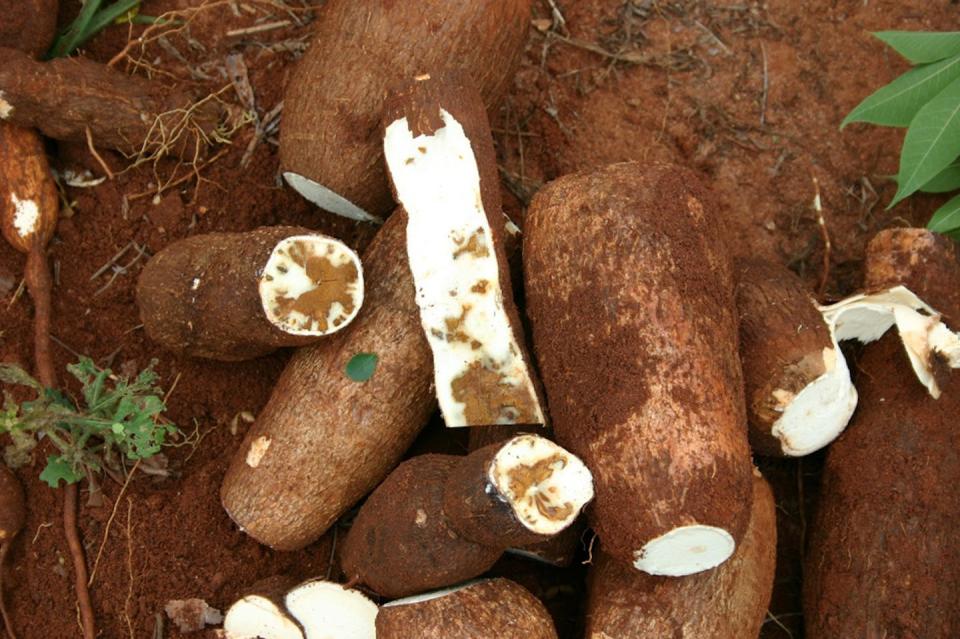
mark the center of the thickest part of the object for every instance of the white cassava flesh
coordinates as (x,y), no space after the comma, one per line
(327,199)
(311,285)
(256,616)
(433,594)
(545,485)
(685,550)
(816,415)
(455,270)
(866,317)
(327,610)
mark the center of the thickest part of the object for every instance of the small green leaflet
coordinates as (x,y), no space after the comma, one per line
(897,103)
(932,142)
(920,47)
(946,219)
(361,366)
(58,469)
(945,181)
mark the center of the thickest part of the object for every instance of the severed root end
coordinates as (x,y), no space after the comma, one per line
(685,551)
(327,610)
(256,616)
(311,285)
(816,415)
(545,485)
(327,199)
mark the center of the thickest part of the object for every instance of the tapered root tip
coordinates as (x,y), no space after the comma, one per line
(311,285)
(327,610)
(546,485)
(256,616)
(685,550)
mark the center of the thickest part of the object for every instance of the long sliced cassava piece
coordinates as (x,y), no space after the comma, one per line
(882,558)
(325,439)
(443,168)
(487,609)
(631,297)
(330,145)
(401,542)
(799,392)
(729,602)
(234,296)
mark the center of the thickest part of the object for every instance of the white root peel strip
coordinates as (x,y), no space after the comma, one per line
(327,199)
(433,594)
(545,485)
(327,610)
(457,277)
(685,550)
(866,317)
(255,616)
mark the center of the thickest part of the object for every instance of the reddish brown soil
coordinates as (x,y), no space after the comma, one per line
(697,98)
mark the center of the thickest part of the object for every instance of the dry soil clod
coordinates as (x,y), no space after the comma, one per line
(729,602)
(882,558)
(13,514)
(234,296)
(323,441)
(66,97)
(443,169)
(799,393)
(630,293)
(487,609)
(330,147)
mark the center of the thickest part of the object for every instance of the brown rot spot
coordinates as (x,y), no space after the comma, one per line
(409,161)
(489,398)
(480,287)
(331,285)
(526,478)
(422,149)
(455,332)
(475,245)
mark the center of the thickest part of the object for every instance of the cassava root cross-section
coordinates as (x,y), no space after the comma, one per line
(330,147)
(799,392)
(323,440)
(442,165)
(882,555)
(631,297)
(487,609)
(440,519)
(729,602)
(234,296)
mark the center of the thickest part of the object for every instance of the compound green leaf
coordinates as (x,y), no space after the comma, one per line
(946,219)
(922,47)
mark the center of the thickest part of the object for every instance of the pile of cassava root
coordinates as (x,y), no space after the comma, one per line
(628,395)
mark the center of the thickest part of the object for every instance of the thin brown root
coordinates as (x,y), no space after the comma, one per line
(37,277)
(97,156)
(126,602)
(825,235)
(4,549)
(87,620)
(113,514)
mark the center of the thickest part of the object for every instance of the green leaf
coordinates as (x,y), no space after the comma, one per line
(897,103)
(932,142)
(921,47)
(946,219)
(945,181)
(59,469)
(361,366)
(11,374)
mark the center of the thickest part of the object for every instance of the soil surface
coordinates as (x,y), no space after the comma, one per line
(749,93)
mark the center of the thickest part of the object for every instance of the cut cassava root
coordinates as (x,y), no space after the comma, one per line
(67,97)
(442,165)
(234,296)
(882,555)
(729,602)
(29,203)
(441,519)
(330,147)
(798,387)
(631,298)
(488,609)
(323,441)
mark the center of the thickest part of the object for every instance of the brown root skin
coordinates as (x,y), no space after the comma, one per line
(401,542)
(317,418)
(649,392)
(489,609)
(28,25)
(782,340)
(29,203)
(13,514)
(334,99)
(199,296)
(729,602)
(882,554)
(419,101)
(66,96)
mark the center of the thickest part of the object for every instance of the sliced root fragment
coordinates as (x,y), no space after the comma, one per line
(257,616)
(685,551)
(440,158)
(327,610)
(327,199)
(866,317)
(311,285)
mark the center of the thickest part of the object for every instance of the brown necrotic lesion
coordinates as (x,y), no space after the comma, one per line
(524,477)
(475,245)
(332,284)
(489,397)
